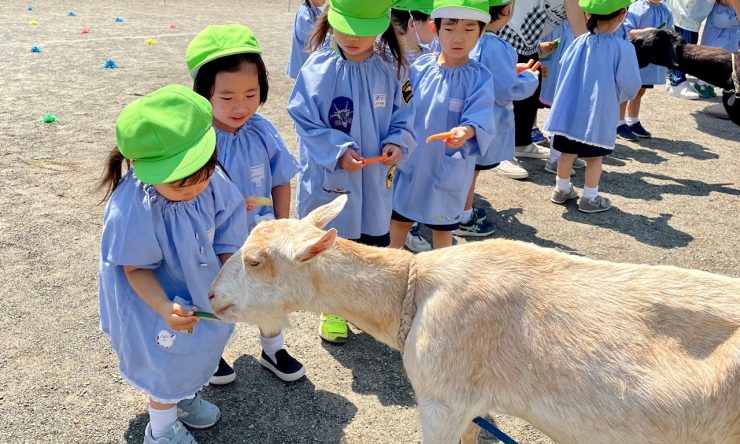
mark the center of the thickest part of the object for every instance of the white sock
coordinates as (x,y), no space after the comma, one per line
(466,216)
(591,193)
(631,120)
(272,345)
(554,155)
(563,184)
(160,421)
(621,122)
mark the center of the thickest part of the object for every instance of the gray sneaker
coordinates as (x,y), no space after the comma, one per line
(551,166)
(177,434)
(561,197)
(197,413)
(594,206)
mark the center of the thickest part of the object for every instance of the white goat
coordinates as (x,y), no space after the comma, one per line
(586,351)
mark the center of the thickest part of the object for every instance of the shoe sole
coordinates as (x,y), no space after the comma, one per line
(562,202)
(470,233)
(514,176)
(600,210)
(200,426)
(627,138)
(643,137)
(519,155)
(222,380)
(287,377)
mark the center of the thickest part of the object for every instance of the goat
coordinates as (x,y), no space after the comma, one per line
(586,351)
(713,65)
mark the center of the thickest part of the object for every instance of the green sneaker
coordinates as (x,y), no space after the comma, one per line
(333,329)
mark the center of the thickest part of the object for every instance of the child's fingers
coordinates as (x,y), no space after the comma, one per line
(530,63)
(536,66)
(440,136)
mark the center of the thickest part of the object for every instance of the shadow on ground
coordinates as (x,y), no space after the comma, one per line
(258,407)
(721,128)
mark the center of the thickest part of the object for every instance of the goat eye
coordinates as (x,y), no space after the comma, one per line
(253,263)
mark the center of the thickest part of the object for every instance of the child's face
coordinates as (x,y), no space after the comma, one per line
(423,30)
(355,48)
(317,3)
(236,97)
(458,37)
(176,193)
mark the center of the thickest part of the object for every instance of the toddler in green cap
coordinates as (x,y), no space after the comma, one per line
(354,123)
(171,221)
(305,19)
(412,19)
(226,65)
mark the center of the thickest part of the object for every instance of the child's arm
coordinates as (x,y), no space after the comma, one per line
(576,17)
(460,135)
(547,47)
(146,285)
(281,201)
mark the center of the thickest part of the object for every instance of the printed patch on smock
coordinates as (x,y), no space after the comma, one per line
(456,105)
(341,112)
(389,177)
(165,339)
(379,101)
(257,174)
(407,91)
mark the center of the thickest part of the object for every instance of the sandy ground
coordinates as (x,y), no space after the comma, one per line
(676,202)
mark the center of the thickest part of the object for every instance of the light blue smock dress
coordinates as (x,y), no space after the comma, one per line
(645,14)
(256,159)
(599,71)
(338,104)
(180,242)
(722,29)
(552,63)
(433,183)
(500,58)
(305,19)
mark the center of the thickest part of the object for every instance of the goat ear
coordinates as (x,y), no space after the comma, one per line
(326,213)
(310,249)
(673,55)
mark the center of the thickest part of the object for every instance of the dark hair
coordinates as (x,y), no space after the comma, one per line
(206,78)
(438,24)
(593,20)
(388,40)
(112,173)
(496,12)
(400,19)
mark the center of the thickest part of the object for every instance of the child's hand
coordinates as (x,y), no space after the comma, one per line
(351,161)
(545,49)
(178,318)
(460,135)
(394,153)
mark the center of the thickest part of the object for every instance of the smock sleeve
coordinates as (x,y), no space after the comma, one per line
(231,215)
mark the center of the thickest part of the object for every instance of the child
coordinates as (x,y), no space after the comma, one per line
(552,56)
(603,61)
(348,105)
(644,15)
(227,69)
(305,19)
(722,30)
(169,224)
(453,94)
(500,58)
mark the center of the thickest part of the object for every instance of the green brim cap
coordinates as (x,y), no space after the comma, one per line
(462,10)
(218,41)
(425,6)
(493,3)
(168,134)
(360,18)
(603,7)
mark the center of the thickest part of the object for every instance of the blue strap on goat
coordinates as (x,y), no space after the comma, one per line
(493,430)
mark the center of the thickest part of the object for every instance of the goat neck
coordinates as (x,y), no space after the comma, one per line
(713,65)
(371,288)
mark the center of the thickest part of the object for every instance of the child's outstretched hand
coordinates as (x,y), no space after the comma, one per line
(547,47)
(351,161)
(179,318)
(460,135)
(394,153)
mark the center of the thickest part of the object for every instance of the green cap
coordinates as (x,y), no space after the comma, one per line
(218,41)
(360,18)
(424,6)
(462,10)
(603,7)
(168,134)
(493,3)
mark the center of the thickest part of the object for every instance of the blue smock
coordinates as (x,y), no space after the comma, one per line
(722,29)
(180,242)
(433,183)
(305,19)
(500,58)
(599,71)
(552,63)
(256,159)
(338,104)
(645,14)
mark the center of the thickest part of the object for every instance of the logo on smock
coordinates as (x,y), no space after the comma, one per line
(341,113)
(165,339)
(407,92)
(389,177)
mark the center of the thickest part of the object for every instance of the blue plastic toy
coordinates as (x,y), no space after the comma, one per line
(29,9)
(110,64)
(119,20)
(72,14)
(36,49)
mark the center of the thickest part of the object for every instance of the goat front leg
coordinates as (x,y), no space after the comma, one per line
(471,433)
(441,424)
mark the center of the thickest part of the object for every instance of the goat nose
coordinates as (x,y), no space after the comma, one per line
(211,295)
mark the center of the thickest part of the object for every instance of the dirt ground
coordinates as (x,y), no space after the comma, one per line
(675,196)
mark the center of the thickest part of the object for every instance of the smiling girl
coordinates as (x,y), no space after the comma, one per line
(227,69)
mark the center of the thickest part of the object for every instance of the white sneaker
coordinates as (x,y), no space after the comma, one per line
(415,242)
(511,169)
(532,151)
(683,90)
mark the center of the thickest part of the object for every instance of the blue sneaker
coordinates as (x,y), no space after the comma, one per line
(197,413)
(639,131)
(539,138)
(624,132)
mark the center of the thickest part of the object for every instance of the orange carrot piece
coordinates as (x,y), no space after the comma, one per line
(530,63)
(373,160)
(440,136)
(536,66)
(257,201)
